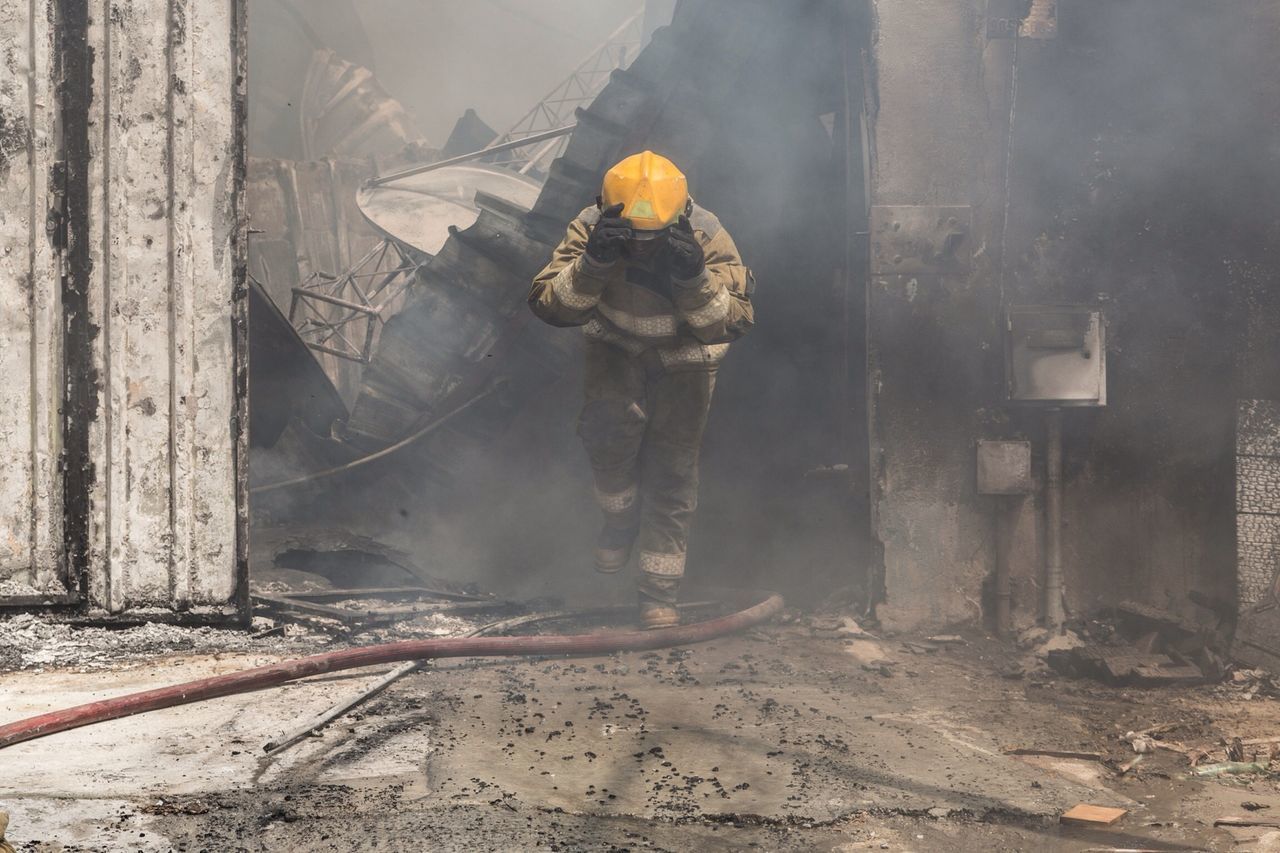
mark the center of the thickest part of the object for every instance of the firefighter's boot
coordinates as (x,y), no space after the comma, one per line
(658,595)
(613,548)
(657,614)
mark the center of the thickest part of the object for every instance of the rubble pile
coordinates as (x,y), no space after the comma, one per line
(29,642)
(1139,645)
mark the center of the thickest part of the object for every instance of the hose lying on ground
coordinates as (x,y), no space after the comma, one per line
(604,642)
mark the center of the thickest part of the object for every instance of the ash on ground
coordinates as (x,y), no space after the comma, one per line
(28,642)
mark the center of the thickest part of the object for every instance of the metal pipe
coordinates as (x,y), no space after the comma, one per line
(603,643)
(538,155)
(1003,621)
(1053,585)
(474,155)
(333,300)
(386,451)
(320,721)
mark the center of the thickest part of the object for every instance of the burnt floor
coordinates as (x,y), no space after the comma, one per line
(784,738)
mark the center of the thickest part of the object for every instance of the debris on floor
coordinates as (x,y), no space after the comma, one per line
(1250,683)
(1230,767)
(503,732)
(1248,821)
(1089,815)
(5,846)
(1136,644)
(33,642)
(1123,666)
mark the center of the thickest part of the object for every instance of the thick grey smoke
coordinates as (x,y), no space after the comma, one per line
(498,57)
(1142,178)
(1145,180)
(752,120)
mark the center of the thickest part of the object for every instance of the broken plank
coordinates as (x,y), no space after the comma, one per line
(1271,822)
(1056,753)
(1085,814)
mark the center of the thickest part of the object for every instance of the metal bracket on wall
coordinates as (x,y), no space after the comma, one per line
(921,239)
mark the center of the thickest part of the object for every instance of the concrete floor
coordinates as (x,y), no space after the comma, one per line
(773,740)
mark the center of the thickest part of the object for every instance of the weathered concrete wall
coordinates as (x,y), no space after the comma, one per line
(30,502)
(933,345)
(166,171)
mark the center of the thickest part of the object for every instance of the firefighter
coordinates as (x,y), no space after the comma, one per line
(657,285)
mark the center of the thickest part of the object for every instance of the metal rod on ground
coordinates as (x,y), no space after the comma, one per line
(1053,585)
(474,155)
(327,717)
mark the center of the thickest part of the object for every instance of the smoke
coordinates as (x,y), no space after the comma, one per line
(760,147)
(1145,181)
(1142,179)
(499,57)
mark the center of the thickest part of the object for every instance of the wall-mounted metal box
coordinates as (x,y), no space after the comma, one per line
(1056,355)
(1004,468)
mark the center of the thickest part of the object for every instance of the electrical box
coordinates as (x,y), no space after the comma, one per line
(1056,355)
(1004,468)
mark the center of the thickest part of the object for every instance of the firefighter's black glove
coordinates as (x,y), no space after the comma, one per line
(609,236)
(687,258)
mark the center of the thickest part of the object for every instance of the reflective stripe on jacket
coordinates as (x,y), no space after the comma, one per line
(692,327)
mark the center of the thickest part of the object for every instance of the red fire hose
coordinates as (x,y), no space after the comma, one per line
(605,642)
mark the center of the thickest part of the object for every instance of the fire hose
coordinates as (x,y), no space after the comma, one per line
(258,678)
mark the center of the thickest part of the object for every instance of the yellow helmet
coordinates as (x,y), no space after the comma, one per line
(652,191)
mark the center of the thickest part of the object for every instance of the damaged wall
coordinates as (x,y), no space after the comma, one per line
(933,353)
(149,121)
(1141,180)
(1145,181)
(30,498)
(167,170)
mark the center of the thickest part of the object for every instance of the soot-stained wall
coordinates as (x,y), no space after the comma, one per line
(1142,180)
(122,234)
(933,354)
(1146,180)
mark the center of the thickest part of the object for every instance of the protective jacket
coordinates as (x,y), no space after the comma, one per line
(654,343)
(686,323)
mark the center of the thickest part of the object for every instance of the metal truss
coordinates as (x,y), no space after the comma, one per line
(578,90)
(339,314)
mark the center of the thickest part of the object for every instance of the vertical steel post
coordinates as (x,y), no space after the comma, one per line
(1003,621)
(1053,591)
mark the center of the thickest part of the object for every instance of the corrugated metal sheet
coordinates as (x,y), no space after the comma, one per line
(164,154)
(30,497)
(165,290)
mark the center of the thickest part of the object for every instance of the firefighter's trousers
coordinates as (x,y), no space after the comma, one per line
(642,426)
